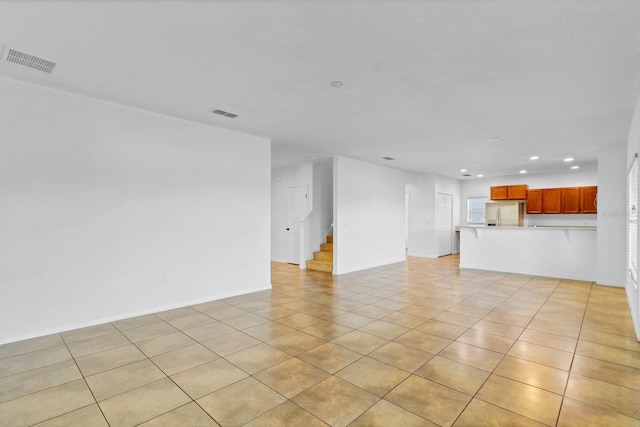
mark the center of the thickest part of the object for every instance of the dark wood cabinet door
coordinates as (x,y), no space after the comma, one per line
(517,192)
(499,192)
(534,202)
(589,199)
(571,200)
(552,200)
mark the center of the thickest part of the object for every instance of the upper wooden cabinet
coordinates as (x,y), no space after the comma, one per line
(509,192)
(534,201)
(589,199)
(570,200)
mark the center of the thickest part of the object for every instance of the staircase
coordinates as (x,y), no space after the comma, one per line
(323,260)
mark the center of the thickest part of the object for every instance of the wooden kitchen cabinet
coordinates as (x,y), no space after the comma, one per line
(552,200)
(589,200)
(571,200)
(534,202)
(509,192)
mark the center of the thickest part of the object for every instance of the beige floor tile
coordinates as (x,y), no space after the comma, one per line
(33,360)
(604,395)
(487,341)
(390,304)
(542,355)
(299,320)
(207,378)
(472,355)
(468,310)
(405,319)
(352,320)
(99,362)
(384,329)
(164,344)
(291,377)
(372,375)
(254,306)
(385,414)
(610,354)
(185,358)
(458,376)
(209,331)
(437,403)
(607,322)
(483,414)
(230,343)
(497,328)
(257,358)
(554,328)
(191,321)
(115,381)
(287,414)
(335,401)
(613,340)
(330,357)
(143,403)
(89,416)
(526,400)
(88,332)
(423,341)
(188,415)
(275,312)
(372,311)
(456,319)
(28,382)
(508,318)
(560,316)
(419,311)
(441,329)
(549,340)
(326,330)
(97,344)
(45,404)
(136,322)
(360,342)
(177,313)
(606,371)
(401,356)
(241,402)
(296,342)
(146,332)
(541,376)
(268,331)
(224,311)
(27,346)
(576,413)
(245,321)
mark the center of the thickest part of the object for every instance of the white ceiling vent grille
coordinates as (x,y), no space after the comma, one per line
(224,113)
(29,60)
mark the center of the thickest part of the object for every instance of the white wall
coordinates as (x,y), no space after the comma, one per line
(369,215)
(281,180)
(109,212)
(612,219)
(633,148)
(480,188)
(453,187)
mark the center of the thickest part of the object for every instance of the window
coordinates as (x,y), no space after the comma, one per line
(475,210)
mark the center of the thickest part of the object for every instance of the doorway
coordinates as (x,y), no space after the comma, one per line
(297,205)
(444,223)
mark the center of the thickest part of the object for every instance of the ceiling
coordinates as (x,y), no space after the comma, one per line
(437,85)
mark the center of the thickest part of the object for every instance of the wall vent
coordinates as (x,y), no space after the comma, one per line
(28,60)
(224,113)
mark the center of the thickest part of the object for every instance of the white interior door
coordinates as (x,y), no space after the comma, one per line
(444,224)
(297,205)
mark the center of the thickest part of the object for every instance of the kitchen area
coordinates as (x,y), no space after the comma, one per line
(543,231)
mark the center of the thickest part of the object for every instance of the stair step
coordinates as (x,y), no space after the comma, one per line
(326,247)
(330,238)
(320,266)
(323,256)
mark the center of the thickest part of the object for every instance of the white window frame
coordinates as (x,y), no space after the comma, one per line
(469,210)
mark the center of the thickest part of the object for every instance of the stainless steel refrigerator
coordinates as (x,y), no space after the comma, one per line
(503,214)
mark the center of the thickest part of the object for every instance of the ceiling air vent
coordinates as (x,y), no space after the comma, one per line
(29,60)
(224,113)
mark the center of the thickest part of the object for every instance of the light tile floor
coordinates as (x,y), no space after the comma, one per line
(412,344)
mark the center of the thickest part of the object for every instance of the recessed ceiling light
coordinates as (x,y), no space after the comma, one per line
(523,171)
(479,175)
(568,159)
(463,170)
(337,83)
(388,158)
(575,167)
(534,158)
